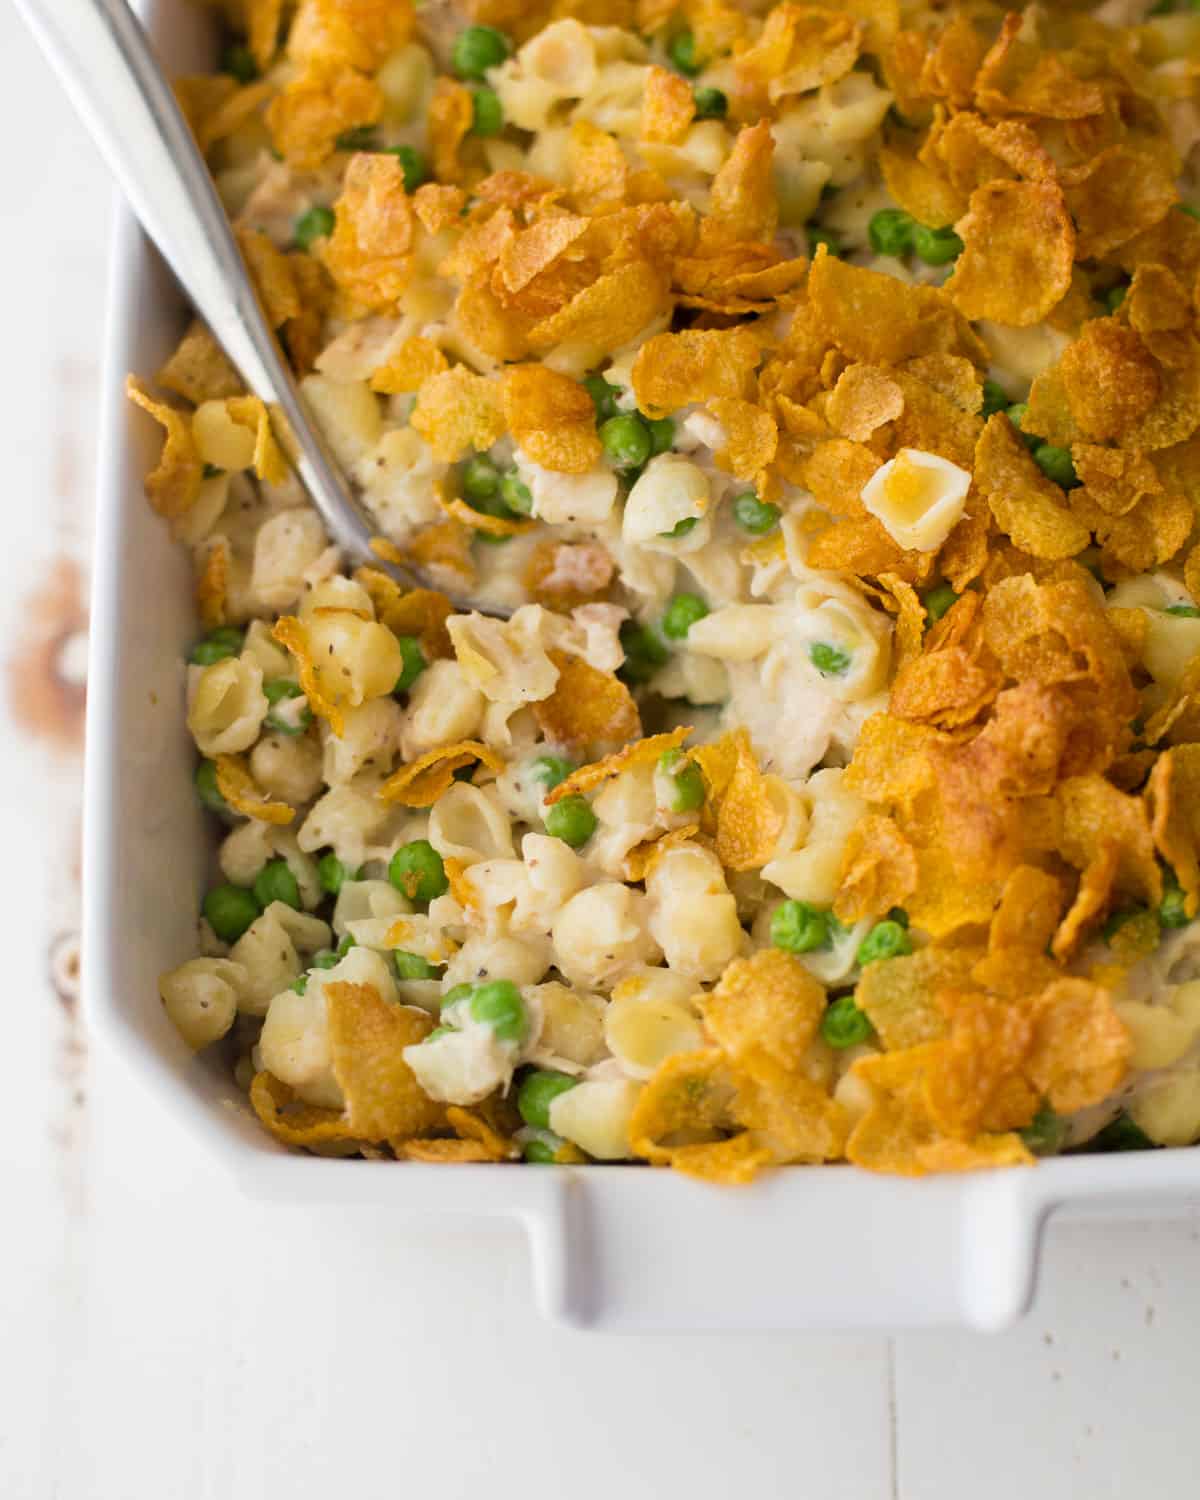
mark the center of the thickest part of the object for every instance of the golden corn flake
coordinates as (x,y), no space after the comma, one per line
(1116,195)
(408,367)
(212,585)
(899,997)
(742,204)
(920,188)
(272,275)
(471,1125)
(1022,77)
(552,418)
(874,318)
(563,575)
(458,412)
(748,810)
(609,312)
(889,764)
(198,369)
(369,252)
(768,1002)
(1019,246)
(173,484)
(293,633)
(367,1038)
(457,508)
(1110,379)
(878,870)
(641,753)
(442,1151)
(444,551)
(787,1112)
(268,461)
(289,1119)
(800,48)
(309,113)
(896,1127)
(244,795)
(751,436)
(668,106)
(1095,815)
(1027,506)
(414,612)
(975,1079)
(1081,1047)
(675,369)
(1173,797)
(422,781)
(865,398)
(732,1162)
(1027,916)
(587,707)
(359,33)
(688,1100)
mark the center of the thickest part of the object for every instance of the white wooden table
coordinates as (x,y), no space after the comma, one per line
(164,1340)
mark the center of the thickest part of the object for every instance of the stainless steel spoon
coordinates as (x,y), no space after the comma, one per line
(104,59)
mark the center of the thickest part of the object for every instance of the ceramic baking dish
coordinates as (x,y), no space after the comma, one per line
(612,1247)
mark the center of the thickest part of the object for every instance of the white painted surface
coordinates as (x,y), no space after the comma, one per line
(165,1340)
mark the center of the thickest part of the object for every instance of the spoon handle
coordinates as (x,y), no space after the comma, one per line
(104,59)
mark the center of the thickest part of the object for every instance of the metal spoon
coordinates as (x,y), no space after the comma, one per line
(104,59)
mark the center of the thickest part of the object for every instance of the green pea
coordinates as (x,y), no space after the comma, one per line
(1114,297)
(1016,414)
(625,440)
(682,528)
(681,50)
(542,1149)
(538,1091)
(238,61)
(899,915)
(417,870)
(549,770)
(1057,465)
(1172,909)
(686,790)
(498,1004)
(275,882)
(798,927)
(478,48)
(316,223)
(456,993)
(829,660)
(357,138)
(325,959)
(711,104)
(344,947)
(1191,209)
(937,601)
(207,789)
(604,396)
(414,663)
(480,479)
(1118,919)
(754,515)
(487,114)
(885,940)
(662,435)
(1045,1133)
(1121,1134)
(995,398)
(1183,611)
(280,690)
(681,614)
(333,874)
(644,652)
(516,493)
(299,985)
(230,909)
(216,646)
(826,237)
(891,232)
(413,966)
(570,819)
(844,1024)
(936,247)
(413,165)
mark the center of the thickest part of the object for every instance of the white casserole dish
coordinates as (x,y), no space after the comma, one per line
(613,1247)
